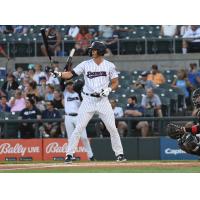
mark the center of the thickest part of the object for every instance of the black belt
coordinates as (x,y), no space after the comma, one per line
(92,95)
(71,114)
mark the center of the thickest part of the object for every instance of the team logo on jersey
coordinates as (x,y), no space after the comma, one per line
(72,98)
(95,74)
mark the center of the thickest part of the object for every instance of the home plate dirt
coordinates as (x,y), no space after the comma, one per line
(7,167)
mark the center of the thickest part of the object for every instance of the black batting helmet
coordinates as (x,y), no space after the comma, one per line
(196,98)
(99,46)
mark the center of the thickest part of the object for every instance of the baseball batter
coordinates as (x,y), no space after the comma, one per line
(72,103)
(97,75)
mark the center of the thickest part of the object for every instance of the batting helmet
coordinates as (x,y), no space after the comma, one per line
(196,98)
(99,46)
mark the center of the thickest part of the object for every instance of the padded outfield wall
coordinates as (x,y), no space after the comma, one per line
(135,148)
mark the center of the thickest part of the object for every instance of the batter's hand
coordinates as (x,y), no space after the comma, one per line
(49,69)
(105,92)
(56,74)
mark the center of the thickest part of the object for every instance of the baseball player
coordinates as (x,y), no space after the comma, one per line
(97,75)
(188,136)
(72,103)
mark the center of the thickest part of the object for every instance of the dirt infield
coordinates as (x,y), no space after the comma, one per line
(98,165)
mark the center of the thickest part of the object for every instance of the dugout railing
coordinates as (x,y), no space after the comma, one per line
(159,123)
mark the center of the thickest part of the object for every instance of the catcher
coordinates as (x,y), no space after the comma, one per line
(188,136)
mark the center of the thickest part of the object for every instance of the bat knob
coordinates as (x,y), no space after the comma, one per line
(48,69)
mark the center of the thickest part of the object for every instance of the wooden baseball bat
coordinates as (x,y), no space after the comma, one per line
(42,30)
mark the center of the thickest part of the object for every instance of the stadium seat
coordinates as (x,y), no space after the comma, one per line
(178,45)
(173,100)
(136,46)
(124,73)
(114,95)
(159,90)
(165,104)
(181,97)
(166,86)
(160,46)
(124,76)
(122,91)
(140,91)
(11,130)
(125,83)
(62,112)
(170,74)
(136,74)
(122,102)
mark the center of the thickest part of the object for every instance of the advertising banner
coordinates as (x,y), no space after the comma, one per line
(55,149)
(20,149)
(169,150)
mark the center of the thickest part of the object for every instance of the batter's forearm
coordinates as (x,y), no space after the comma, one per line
(114,84)
(66,75)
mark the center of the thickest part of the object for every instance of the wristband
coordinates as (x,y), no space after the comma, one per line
(195,129)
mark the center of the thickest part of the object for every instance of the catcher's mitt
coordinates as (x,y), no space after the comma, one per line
(175,131)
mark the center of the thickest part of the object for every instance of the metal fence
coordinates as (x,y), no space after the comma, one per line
(161,123)
(31,48)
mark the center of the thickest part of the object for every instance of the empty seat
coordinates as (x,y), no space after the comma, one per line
(173,100)
(11,130)
(165,105)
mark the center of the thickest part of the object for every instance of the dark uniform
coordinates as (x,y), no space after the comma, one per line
(188,137)
(27,130)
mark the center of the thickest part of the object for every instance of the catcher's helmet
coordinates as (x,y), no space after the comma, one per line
(99,46)
(78,85)
(196,98)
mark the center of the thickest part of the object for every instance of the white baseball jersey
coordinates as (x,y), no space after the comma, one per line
(52,80)
(72,102)
(118,112)
(97,77)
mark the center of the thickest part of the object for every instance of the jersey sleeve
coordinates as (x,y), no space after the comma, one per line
(113,72)
(79,69)
(121,113)
(143,102)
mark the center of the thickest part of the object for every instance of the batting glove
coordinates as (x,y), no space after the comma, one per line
(105,92)
(56,74)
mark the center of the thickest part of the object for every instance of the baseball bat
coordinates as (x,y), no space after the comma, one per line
(67,68)
(7,65)
(69,60)
(42,30)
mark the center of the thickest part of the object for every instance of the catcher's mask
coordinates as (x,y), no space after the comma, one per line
(99,46)
(196,98)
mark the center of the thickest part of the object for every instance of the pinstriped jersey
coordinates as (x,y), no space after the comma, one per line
(72,102)
(97,77)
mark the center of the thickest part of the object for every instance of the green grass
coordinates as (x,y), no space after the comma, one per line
(194,168)
(116,169)
(109,170)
